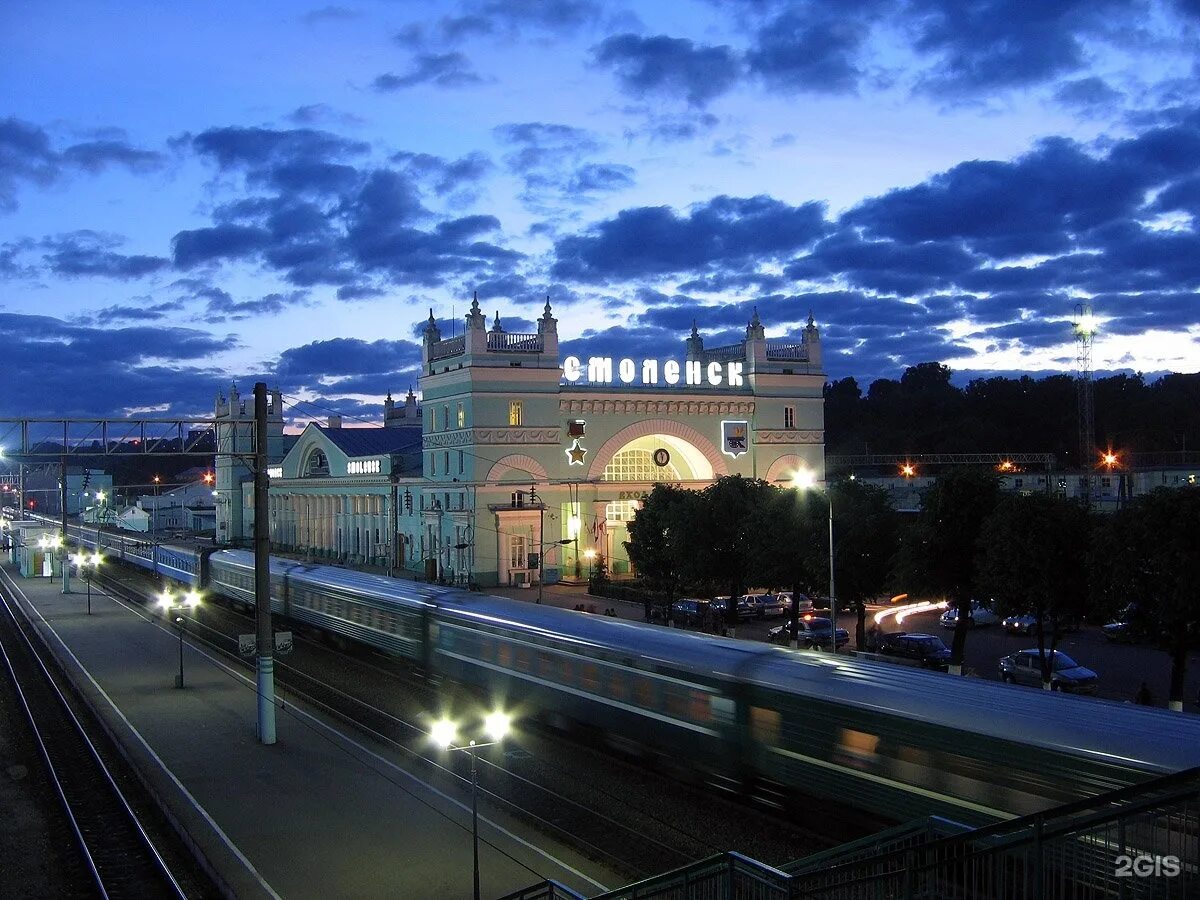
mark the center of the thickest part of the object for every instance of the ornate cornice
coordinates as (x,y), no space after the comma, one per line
(465,437)
(788,436)
(657,407)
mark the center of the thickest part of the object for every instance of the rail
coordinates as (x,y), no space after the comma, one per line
(518,343)
(724,354)
(787,351)
(449,347)
(544,890)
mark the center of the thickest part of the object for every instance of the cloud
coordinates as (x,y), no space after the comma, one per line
(329,14)
(675,67)
(984,45)
(347,356)
(135,312)
(447,70)
(460,176)
(27,156)
(799,52)
(299,159)
(727,231)
(89,253)
(222,307)
(107,371)
(1090,95)
(549,159)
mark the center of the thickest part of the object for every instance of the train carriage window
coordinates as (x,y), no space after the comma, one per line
(722,710)
(618,684)
(504,657)
(764,725)
(524,658)
(675,700)
(858,749)
(590,677)
(698,708)
(643,690)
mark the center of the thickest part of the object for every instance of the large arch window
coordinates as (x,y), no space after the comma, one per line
(637,464)
(317,463)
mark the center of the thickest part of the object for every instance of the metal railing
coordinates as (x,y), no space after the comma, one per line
(787,351)
(515,343)
(1142,841)
(724,354)
(1138,842)
(449,347)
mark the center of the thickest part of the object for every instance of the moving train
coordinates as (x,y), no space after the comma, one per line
(787,726)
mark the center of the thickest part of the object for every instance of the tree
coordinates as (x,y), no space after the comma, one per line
(791,546)
(724,533)
(659,544)
(941,559)
(1033,558)
(1155,544)
(865,535)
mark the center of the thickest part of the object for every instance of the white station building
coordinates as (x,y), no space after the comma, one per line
(515,449)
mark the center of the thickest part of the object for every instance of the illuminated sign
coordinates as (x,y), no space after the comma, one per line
(363,467)
(600,370)
(733,438)
(275,471)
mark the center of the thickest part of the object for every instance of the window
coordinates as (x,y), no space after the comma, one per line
(514,412)
(462,416)
(516,551)
(445,418)
(638,465)
(317,464)
(620,511)
(789,417)
(445,462)
(432,464)
(460,462)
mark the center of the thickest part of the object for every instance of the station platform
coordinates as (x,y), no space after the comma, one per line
(324,812)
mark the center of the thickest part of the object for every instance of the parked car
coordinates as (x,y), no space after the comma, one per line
(1024,667)
(764,605)
(1125,629)
(785,597)
(926,650)
(1026,623)
(745,610)
(690,611)
(814,633)
(979,616)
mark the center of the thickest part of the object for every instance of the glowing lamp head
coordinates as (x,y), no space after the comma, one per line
(1086,324)
(166,600)
(443,733)
(908,470)
(573,526)
(1109,459)
(803,479)
(80,560)
(191,599)
(497,724)
(97,558)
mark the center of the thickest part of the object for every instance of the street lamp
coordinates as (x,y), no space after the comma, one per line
(804,479)
(444,733)
(590,556)
(87,564)
(100,498)
(178,605)
(542,561)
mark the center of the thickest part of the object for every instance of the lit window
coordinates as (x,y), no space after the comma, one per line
(462,416)
(638,465)
(514,412)
(789,417)
(516,556)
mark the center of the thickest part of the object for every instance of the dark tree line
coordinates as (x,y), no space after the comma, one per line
(923,412)
(1039,554)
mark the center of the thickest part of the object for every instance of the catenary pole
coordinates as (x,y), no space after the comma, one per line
(62,550)
(262,574)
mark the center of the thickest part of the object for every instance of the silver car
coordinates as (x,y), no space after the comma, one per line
(1024,667)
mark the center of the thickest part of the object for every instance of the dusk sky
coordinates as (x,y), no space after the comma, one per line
(198,193)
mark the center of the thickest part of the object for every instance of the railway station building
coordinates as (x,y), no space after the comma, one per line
(521,462)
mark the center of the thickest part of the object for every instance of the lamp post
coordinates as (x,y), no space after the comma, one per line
(100,497)
(804,479)
(444,733)
(177,606)
(87,565)
(542,561)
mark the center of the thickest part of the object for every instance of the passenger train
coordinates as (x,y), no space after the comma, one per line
(785,725)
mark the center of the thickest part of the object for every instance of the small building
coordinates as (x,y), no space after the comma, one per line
(188,507)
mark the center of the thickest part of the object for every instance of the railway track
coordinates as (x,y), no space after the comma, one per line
(608,808)
(123,847)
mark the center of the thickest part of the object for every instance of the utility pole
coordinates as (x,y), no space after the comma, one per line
(62,550)
(262,574)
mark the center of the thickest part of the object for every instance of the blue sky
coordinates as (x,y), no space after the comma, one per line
(196,193)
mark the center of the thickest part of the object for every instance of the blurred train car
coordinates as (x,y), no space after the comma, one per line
(785,726)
